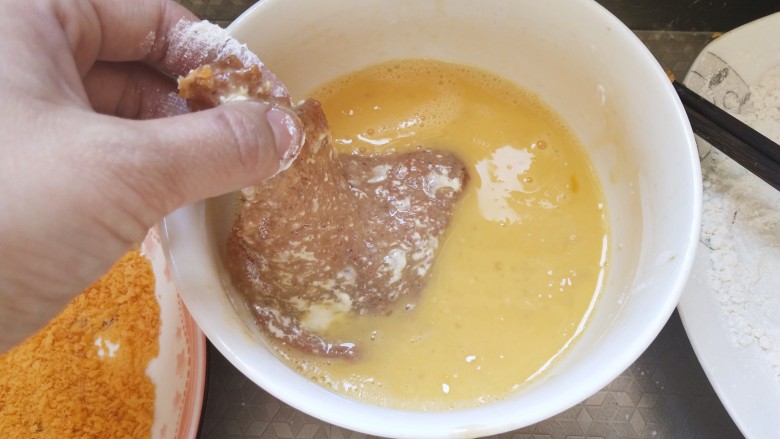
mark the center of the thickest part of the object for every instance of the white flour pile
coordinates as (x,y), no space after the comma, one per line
(741,224)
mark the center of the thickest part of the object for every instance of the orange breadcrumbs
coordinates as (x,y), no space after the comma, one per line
(84,375)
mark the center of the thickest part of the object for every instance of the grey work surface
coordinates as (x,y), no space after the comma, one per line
(664,394)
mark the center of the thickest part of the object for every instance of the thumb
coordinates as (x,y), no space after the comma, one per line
(215,151)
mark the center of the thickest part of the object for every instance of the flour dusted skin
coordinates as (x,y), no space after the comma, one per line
(334,233)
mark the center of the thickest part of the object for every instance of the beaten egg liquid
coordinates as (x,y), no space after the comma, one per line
(521,264)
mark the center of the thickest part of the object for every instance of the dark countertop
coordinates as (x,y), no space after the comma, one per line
(657,15)
(664,394)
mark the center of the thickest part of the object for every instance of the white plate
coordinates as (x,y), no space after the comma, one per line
(742,376)
(179,371)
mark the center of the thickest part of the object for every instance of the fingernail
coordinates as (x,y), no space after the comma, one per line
(288,134)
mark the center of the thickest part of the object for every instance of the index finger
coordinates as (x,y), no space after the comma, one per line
(168,37)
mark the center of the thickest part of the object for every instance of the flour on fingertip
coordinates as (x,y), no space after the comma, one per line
(193,42)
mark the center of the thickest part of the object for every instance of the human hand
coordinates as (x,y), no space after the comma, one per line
(82,180)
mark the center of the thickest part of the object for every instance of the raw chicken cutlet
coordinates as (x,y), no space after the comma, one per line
(335,233)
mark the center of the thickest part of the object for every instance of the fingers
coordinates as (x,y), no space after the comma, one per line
(132,91)
(168,37)
(190,45)
(208,153)
(131,30)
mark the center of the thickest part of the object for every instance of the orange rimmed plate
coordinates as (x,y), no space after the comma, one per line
(179,371)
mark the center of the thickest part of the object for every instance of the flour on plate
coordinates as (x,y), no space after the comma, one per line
(741,225)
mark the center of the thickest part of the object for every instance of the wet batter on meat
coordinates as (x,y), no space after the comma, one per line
(334,233)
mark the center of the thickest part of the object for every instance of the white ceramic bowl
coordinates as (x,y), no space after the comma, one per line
(582,62)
